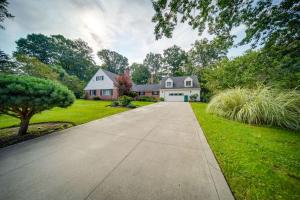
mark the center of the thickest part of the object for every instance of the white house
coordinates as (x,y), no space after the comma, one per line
(179,88)
(102,85)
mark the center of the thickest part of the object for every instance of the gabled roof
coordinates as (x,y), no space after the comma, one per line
(178,82)
(111,76)
(145,87)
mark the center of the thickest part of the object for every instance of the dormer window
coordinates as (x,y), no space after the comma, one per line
(99,78)
(169,84)
(188,82)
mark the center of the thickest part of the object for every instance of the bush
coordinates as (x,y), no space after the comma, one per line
(194,97)
(162,99)
(24,96)
(146,98)
(124,100)
(131,106)
(96,98)
(131,94)
(114,104)
(259,106)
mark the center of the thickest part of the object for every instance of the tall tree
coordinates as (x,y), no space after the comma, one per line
(140,73)
(124,84)
(273,22)
(154,63)
(204,52)
(75,56)
(174,60)
(113,61)
(4,13)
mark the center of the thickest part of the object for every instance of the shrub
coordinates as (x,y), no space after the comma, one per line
(131,94)
(131,106)
(96,98)
(114,104)
(24,96)
(259,106)
(146,98)
(194,97)
(162,99)
(124,100)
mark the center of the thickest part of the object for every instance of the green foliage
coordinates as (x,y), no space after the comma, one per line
(146,98)
(96,98)
(257,162)
(259,106)
(114,104)
(4,13)
(24,96)
(124,100)
(113,61)
(174,59)
(131,106)
(76,58)
(33,67)
(274,22)
(162,99)
(140,73)
(194,97)
(154,63)
(277,67)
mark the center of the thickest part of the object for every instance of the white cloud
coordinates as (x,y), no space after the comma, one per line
(121,25)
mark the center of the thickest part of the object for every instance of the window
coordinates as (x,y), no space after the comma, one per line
(188,83)
(176,94)
(155,92)
(169,84)
(92,92)
(106,92)
(99,78)
(141,93)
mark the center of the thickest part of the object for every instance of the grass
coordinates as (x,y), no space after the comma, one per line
(80,112)
(258,162)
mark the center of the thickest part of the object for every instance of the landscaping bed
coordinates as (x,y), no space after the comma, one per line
(258,162)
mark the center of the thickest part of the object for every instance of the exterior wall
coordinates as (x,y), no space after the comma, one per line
(164,93)
(107,83)
(149,94)
(114,95)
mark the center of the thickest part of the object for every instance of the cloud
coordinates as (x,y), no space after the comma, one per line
(121,25)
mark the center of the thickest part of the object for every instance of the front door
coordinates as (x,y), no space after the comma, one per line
(186,98)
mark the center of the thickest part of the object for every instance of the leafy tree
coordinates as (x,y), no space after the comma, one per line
(34,67)
(24,96)
(205,53)
(140,73)
(174,60)
(265,20)
(154,63)
(113,61)
(4,14)
(124,84)
(7,65)
(75,56)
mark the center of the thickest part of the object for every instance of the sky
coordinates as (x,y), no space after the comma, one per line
(123,26)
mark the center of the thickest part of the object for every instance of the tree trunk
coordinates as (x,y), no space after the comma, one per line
(24,126)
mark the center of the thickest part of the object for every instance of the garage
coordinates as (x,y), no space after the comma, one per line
(174,96)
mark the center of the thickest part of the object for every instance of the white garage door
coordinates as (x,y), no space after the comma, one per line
(174,96)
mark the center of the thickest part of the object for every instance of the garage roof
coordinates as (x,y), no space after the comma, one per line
(178,82)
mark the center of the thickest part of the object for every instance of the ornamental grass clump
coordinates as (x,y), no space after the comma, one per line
(259,106)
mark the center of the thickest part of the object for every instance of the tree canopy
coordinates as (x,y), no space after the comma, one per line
(75,56)
(24,96)
(113,61)
(4,13)
(154,63)
(174,59)
(266,21)
(140,73)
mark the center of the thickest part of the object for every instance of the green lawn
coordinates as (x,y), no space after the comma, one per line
(80,112)
(258,162)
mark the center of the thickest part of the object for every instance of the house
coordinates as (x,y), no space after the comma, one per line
(103,85)
(150,90)
(179,88)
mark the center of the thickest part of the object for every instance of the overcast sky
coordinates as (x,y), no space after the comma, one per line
(121,25)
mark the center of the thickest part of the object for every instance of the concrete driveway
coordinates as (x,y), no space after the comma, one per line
(153,152)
